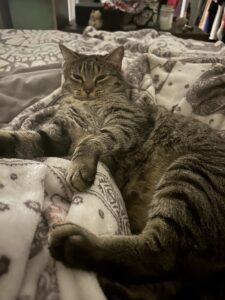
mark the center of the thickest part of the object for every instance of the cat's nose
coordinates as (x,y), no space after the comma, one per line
(88,89)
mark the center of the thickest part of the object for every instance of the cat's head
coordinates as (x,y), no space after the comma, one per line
(88,77)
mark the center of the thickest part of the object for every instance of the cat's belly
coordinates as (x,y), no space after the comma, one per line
(140,189)
(137,199)
(138,195)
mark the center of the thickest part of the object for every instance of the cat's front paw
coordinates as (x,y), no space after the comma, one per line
(74,246)
(81,173)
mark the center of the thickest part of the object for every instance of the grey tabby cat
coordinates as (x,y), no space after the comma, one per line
(170,170)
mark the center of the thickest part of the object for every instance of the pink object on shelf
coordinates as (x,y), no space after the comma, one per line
(132,6)
(172,2)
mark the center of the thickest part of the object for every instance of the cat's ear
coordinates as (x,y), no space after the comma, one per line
(68,54)
(116,57)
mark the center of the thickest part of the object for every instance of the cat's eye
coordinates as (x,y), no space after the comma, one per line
(76,77)
(100,78)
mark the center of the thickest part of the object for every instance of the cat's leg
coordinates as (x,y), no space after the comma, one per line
(160,252)
(158,291)
(135,258)
(128,260)
(119,135)
(49,141)
(20,144)
(83,166)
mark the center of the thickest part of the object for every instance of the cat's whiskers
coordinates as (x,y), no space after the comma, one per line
(77,93)
(99,93)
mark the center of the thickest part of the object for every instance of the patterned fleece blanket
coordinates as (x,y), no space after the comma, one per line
(187,77)
(33,197)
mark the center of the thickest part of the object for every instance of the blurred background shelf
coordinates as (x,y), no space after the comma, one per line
(196,34)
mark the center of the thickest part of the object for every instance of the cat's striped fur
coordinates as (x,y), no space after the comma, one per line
(169,168)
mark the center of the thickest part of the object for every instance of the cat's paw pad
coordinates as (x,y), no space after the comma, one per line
(81,175)
(72,245)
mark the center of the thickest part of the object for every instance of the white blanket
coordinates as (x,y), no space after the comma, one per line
(33,196)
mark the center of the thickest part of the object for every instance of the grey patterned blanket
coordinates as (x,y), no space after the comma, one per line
(187,77)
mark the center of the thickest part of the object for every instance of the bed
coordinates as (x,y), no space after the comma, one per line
(185,76)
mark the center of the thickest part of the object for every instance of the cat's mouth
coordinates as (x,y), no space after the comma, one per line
(83,96)
(87,97)
(90,96)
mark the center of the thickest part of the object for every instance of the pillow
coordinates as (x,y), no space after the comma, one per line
(205,100)
(171,78)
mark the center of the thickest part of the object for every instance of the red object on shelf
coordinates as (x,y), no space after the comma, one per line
(134,7)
